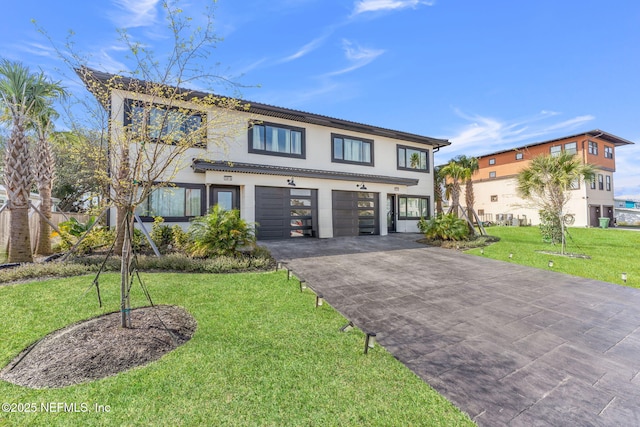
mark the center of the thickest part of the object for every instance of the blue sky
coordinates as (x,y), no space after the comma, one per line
(487,75)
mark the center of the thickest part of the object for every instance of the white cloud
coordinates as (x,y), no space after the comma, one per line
(357,55)
(364,6)
(135,13)
(486,134)
(307,48)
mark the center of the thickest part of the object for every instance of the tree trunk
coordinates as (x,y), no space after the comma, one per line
(121,214)
(43,246)
(43,171)
(125,269)
(19,237)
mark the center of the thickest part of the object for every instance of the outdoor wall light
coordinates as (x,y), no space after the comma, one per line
(369,341)
(291,182)
(346,328)
(624,277)
(550,263)
(361,186)
(303,285)
(319,300)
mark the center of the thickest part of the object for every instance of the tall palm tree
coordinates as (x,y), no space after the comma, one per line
(438,187)
(547,181)
(471,165)
(454,173)
(21,94)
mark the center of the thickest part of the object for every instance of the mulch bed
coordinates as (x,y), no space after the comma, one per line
(99,347)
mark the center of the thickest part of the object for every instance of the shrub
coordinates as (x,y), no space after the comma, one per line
(550,227)
(71,231)
(220,232)
(444,227)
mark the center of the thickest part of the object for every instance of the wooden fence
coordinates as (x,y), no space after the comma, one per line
(34,220)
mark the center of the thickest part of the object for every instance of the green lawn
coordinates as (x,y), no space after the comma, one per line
(262,355)
(612,251)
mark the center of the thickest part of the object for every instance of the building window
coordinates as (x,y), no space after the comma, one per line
(600,182)
(176,203)
(519,156)
(555,150)
(575,184)
(492,161)
(277,140)
(571,148)
(608,152)
(608,182)
(492,174)
(412,207)
(413,159)
(593,183)
(346,149)
(494,198)
(164,124)
(593,148)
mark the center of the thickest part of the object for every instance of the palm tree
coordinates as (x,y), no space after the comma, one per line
(21,94)
(438,184)
(547,180)
(471,165)
(454,174)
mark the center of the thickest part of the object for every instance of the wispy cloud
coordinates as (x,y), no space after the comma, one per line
(357,55)
(364,6)
(135,13)
(485,134)
(307,48)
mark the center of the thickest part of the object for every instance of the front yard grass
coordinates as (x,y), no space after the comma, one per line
(262,355)
(611,251)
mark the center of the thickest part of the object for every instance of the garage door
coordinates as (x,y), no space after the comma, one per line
(283,213)
(355,213)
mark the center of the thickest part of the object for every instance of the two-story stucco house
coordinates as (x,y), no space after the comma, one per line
(297,174)
(495,183)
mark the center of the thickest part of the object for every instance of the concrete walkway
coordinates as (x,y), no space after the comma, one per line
(507,344)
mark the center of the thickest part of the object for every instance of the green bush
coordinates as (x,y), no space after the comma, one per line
(72,231)
(550,227)
(444,227)
(220,232)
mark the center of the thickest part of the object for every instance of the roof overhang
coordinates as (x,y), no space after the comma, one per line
(201,166)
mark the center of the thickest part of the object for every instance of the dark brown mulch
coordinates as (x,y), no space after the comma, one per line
(99,347)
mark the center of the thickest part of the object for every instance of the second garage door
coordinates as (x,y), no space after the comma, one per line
(355,213)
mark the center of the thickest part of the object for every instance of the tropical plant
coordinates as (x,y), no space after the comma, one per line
(547,182)
(438,188)
(453,174)
(220,232)
(22,95)
(471,165)
(444,227)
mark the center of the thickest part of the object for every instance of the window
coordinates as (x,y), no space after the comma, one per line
(412,207)
(600,182)
(173,203)
(277,140)
(608,182)
(608,152)
(168,125)
(593,148)
(492,174)
(492,161)
(494,198)
(593,183)
(413,158)
(555,150)
(571,148)
(346,149)
(519,156)
(575,184)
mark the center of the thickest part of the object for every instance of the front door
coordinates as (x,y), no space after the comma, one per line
(391,213)
(227,197)
(594,214)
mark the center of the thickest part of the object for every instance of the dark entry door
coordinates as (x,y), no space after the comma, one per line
(594,214)
(391,213)
(227,197)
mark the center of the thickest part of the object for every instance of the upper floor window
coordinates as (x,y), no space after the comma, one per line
(492,161)
(165,124)
(519,156)
(555,150)
(593,183)
(277,140)
(346,149)
(571,147)
(600,182)
(608,152)
(607,180)
(413,158)
(593,148)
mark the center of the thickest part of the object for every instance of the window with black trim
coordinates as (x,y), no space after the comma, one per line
(593,183)
(519,156)
(492,161)
(571,147)
(166,124)
(492,174)
(607,180)
(555,150)
(410,158)
(277,140)
(608,152)
(413,207)
(178,202)
(347,149)
(600,182)
(593,148)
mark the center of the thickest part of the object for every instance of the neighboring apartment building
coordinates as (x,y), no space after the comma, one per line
(496,197)
(298,174)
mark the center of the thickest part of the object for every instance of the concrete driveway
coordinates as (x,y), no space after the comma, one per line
(507,344)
